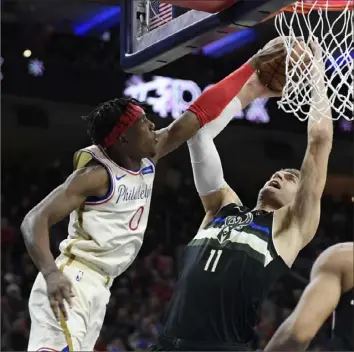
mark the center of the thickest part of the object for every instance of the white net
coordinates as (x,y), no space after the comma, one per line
(334,33)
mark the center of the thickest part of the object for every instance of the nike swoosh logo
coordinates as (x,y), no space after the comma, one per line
(120,177)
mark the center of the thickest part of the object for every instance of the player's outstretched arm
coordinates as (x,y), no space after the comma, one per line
(212,102)
(206,164)
(303,214)
(83,183)
(204,110)
(205,159)
(318,301)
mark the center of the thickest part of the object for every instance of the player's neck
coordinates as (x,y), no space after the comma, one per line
(124,160)
(265,206)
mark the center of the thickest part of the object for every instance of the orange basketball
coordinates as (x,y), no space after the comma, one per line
(272,69)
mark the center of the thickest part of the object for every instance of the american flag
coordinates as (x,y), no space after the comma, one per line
(160,14)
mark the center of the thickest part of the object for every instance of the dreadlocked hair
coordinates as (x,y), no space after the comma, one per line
(101,120)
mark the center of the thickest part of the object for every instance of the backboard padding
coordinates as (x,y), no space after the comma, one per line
(186,33)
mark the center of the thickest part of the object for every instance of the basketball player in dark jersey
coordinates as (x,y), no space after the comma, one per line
(238,254)
(331,290)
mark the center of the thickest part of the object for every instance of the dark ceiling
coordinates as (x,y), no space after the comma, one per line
(60,14)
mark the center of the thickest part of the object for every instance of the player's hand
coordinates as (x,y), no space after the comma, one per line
(59,290)
(259,90)
(272,49)
(318,66)
(317,51)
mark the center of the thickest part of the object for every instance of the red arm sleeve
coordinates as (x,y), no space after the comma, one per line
(214,100)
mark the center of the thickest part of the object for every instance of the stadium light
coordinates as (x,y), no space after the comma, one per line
(230,43)
(27,53)
(100,18)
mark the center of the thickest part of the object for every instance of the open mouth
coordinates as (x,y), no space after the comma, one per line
(275,184)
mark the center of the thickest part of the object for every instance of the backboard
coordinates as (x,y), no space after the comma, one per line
(155,33)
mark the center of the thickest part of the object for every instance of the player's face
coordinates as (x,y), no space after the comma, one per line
(141,137)
(280,190)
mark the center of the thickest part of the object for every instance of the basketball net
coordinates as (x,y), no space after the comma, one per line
(304,21)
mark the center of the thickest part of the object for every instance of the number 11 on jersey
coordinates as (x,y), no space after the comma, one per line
(211,261)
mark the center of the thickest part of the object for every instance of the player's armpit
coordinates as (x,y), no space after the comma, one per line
(83,183)
(296,223)
(318,301)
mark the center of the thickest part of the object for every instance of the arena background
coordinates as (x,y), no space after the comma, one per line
(51,76)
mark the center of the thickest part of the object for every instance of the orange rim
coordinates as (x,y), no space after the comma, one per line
(330,5)
(334,5)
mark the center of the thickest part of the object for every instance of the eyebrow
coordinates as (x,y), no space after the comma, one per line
(294,177)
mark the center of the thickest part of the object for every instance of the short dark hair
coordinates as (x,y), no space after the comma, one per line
(294,172)
(105,116)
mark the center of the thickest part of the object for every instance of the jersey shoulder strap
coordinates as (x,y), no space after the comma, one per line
(85,155)
(231,209)
(81,159)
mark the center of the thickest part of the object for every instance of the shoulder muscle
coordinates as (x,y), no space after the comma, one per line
(82,183)
(333,260)
(92,180)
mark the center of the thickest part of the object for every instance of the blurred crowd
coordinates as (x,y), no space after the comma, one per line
(140,296)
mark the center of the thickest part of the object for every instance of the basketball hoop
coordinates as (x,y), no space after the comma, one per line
(331,22)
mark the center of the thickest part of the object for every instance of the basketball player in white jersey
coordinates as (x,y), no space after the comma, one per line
(238,254)
(331,290)
(108,199)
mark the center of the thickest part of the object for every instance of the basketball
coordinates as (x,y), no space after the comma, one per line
(272,68)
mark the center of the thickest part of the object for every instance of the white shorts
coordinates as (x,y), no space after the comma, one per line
(85,318)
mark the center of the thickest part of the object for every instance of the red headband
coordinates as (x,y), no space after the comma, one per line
(131,114)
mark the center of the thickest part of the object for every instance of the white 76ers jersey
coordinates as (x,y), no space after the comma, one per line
(108,232)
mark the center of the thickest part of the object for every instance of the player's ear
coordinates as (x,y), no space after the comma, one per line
(123,139)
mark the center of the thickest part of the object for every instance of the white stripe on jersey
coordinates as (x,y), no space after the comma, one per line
(257,244)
